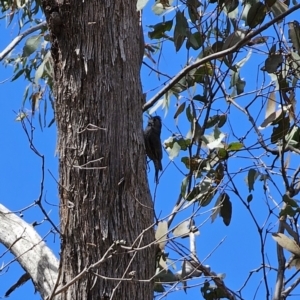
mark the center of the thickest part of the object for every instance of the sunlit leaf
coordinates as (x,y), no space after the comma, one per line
(273,118)
(214,140)
(31,45)
(161,234)
(174,151)
(271,105)
(235,146)
(182,229)
(162,6)
(21,116)
(141,4)
(278,8)
(286,243)
(157,105)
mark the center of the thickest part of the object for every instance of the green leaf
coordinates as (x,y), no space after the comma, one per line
(226,209)
(212,121)
(181,30)
(290,201)
(217,208)
(19,73)
(230,6)
(217,46)
(288,211)
(240,86)
(234,38)
(179,110)
(181,142)
(222,120)
(273,62)
(202,72)
(252,176)
(189,114)
(200,98)
(39,73)
(195,40)
(158,288)
(222,153)
(256,14)
(160,29)
(192,10)
(235,146)
(31,45)
(249,198)
(281,130)
(183,186)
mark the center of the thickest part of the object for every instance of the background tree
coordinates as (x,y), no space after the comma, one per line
(229,132)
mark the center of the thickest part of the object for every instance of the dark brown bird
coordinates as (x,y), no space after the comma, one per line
(153,143)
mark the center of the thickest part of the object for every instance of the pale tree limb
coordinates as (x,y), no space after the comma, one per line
(30,250)
(216,55)
(19,38)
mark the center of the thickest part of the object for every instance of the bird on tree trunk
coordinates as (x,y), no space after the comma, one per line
(153,143)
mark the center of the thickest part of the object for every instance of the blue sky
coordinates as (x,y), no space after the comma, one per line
(21,175)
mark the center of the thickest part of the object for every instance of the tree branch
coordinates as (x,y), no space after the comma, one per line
(19,38)
(216,55)
(30,250)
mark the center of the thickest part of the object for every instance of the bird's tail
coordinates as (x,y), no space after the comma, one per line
(158,167)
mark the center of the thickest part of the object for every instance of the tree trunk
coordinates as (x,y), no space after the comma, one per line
(104,191)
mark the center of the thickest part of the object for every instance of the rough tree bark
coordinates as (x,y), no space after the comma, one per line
(104,191)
